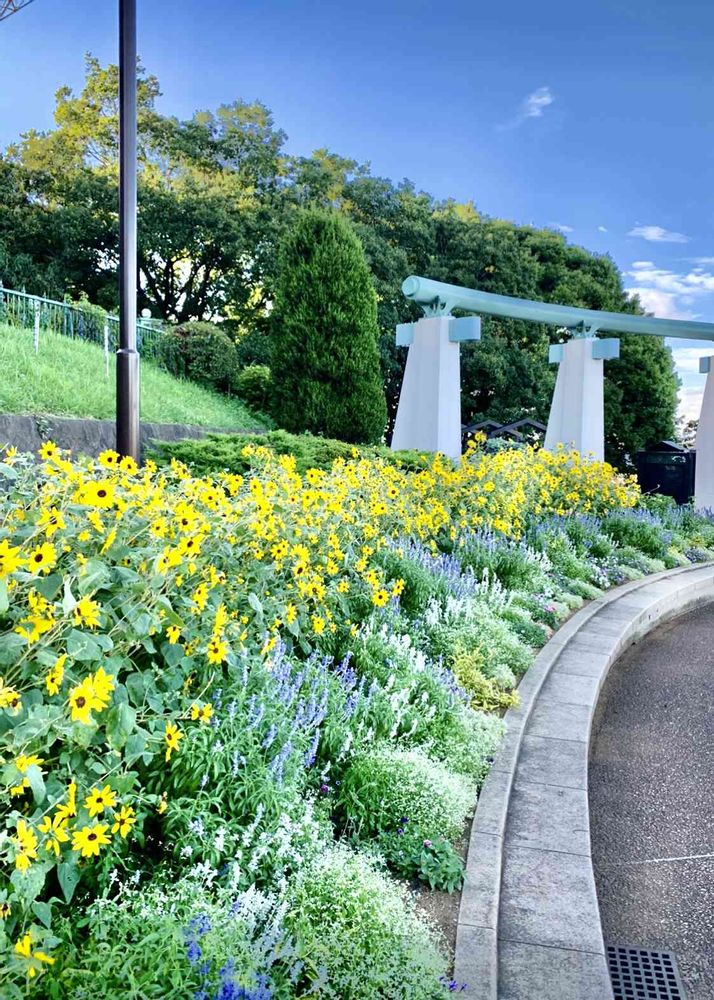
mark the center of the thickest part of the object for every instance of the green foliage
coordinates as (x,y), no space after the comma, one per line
(411,855)
(201,352)
(219,452)
(67,378)
(485,693)
(359,927)
(325,361)
(253,384)
(384,786)
(467,742)
(632,531)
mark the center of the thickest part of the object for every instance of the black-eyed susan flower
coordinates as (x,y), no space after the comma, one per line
(54,830)
(86,612)
(26,842)
(172,737)
(10,558)
(217,650)
(173,634)
(90,839)
(35,959)
(42,559)
(48,451)
(100,799)
(5,910)
(98,494)
(123,821)
(201,713)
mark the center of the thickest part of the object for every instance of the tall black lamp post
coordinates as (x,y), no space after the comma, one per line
(128,427)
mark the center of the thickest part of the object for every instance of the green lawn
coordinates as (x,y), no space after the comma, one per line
(67,378)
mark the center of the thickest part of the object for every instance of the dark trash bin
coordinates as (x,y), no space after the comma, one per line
(667,468)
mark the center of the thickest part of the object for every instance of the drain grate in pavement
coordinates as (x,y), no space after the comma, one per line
(641,974)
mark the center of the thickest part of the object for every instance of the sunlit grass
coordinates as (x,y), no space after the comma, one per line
(68,378)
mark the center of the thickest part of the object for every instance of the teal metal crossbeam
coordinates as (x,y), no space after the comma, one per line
(439,299)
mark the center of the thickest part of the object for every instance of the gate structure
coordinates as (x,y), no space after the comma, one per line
(429,413)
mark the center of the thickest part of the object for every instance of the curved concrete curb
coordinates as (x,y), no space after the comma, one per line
(529,923)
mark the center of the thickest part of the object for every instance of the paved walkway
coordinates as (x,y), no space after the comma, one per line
(651,793)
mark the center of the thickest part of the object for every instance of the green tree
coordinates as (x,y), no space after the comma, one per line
(325,359)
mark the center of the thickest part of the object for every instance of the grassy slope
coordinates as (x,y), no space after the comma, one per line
(67,378)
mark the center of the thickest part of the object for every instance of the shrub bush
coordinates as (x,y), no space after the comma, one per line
(361,930)
(325,355)
(201,352)
(384,785)
(253,385)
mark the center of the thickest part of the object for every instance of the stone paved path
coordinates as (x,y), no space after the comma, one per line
(651,793)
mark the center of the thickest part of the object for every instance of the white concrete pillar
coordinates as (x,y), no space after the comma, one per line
(429,411)
(704,469)
(577,412)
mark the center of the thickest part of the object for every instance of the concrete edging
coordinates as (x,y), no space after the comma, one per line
(529,923)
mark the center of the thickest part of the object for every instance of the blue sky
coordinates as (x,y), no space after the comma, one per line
(596,118)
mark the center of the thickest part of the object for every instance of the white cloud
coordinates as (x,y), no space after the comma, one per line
(702,260)
(695,282)
(537,102)
(532,106)
(661,304)
(601,229)
(656,234)
(690,403)
(561,228)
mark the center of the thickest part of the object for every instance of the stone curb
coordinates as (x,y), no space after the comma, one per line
(529,923)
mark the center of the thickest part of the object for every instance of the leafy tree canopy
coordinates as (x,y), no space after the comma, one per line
(218,193)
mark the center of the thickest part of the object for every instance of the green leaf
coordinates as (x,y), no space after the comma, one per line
(4,603)
(120,723)
(83,647)
(255,604)
(50,586)
(11,647)
(95,576)
(68,879)
(135,685)
(43,912)
(135,747)
(37,783)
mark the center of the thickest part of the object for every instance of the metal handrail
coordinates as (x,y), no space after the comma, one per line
(72,319)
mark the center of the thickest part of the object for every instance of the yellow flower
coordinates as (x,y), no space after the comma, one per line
(55,675)
(99,494)
(10,559)
(100,799)
(172,735)
(318,624)
(5,910)
(216,650)
(128,465)
(102,687)
(26,842)
(90,839)
(69,809)
(173,633)
(123,821)
(56,833)
(43,558)
(109,459)
(86,612)
(51,520)
(380,597)
(27,760)
(163,805)
(81,702)
(10,455)
(48,451)
(23,948)
(9,697)
(201,713)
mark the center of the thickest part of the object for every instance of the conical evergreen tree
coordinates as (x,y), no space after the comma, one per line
(324,338)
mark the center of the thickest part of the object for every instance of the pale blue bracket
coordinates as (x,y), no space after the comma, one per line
(705,365)
(555,353)
(606,349)
(465,328)
(405,334)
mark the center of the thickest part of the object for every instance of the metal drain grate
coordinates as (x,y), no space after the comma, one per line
(641,974)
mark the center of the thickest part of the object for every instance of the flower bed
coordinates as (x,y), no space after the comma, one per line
(238,712)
